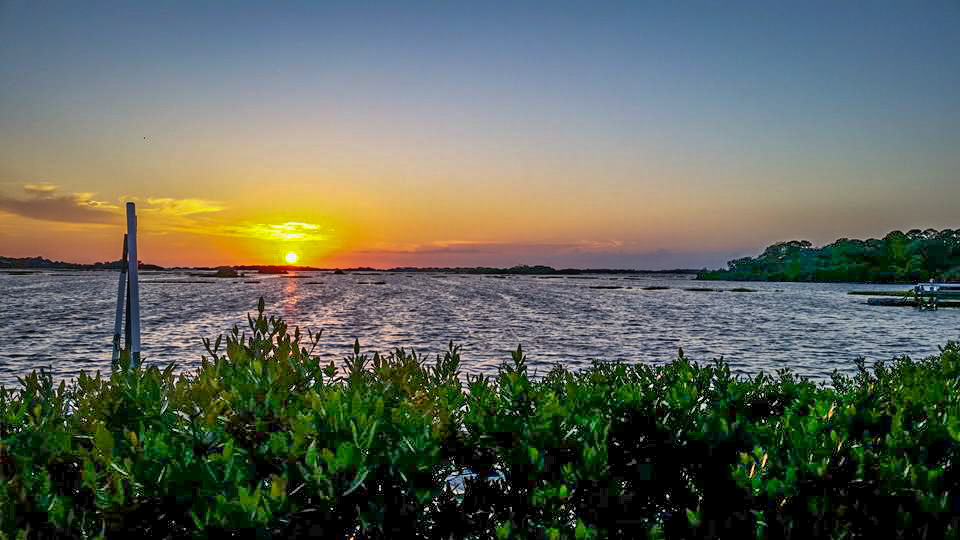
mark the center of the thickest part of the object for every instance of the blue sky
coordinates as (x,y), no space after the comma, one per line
(589,133)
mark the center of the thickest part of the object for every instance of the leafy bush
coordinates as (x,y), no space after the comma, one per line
(264,440)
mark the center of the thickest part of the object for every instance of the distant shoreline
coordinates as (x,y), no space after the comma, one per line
(514,270)
(40,263)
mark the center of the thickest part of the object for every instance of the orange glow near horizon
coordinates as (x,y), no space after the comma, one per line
(360,136)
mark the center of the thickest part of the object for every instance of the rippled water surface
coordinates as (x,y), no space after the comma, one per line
(65,319)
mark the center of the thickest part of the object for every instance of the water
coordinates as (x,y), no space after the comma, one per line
(65,320)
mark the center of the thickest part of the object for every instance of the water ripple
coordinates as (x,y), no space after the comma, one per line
(65,320)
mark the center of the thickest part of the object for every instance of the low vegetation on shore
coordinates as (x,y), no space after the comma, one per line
(896,258)
(266,441)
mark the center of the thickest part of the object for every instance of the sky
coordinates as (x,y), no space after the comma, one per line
(574,134)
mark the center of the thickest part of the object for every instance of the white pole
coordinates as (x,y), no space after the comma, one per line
(134,299)
(121,289)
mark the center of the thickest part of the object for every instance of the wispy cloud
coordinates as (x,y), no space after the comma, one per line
(198,216)
(181,207)
(166,215)
(45,202)
(486,246)
(39,189)
(598,245)
(287,231)
(437,246)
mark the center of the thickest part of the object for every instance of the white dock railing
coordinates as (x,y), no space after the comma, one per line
(928,295)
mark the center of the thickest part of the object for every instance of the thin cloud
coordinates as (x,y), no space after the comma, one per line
(463,246)
(39,189)
(598,245)
(287,231)
(44,202)
(181,207)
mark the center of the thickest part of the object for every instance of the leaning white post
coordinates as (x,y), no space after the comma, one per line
(121,289)
(134,291)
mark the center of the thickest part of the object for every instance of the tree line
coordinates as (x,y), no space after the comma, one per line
(896,258)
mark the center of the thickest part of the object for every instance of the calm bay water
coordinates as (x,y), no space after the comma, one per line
(65,319)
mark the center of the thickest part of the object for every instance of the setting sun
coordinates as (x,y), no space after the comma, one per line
(291,257)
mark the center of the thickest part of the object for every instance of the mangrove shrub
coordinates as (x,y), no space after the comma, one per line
(266,441)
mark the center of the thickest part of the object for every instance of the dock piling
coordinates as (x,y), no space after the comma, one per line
(118,320)
(128,297)
(133,292)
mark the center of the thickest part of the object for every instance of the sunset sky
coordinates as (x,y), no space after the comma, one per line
(588,134)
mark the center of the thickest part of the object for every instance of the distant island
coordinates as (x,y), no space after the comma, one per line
(896,258)
(40,263)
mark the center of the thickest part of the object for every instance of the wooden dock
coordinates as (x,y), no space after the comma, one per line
(923,296)
(910,302)
(935,295)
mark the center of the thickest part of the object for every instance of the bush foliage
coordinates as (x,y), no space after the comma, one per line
(265,441)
